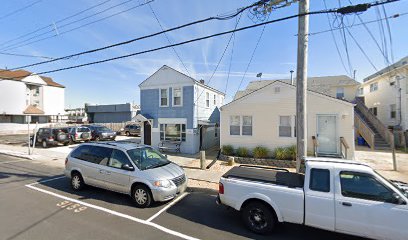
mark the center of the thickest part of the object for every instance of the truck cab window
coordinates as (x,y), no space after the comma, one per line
(364,186)
(319,180)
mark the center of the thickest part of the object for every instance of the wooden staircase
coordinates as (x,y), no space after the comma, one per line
(371,129)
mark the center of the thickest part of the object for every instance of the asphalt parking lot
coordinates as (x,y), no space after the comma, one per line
(38,203)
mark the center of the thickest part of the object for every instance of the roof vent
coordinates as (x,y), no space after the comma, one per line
(202,81)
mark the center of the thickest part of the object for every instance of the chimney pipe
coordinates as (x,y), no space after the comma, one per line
(202,81)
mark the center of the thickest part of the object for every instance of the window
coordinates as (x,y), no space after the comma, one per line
(221,100)
(340,93)
(118,159)
(146,158)
(277,89)
(207,99)
(373,87)
(247,125)
(164,97)
(360,91)
(215,100)
(177,96)
(37,91)
(392,83)
(285,128)
(364,186)
(173,132)
(93,154)
(373,110)
(319,180)
(235,125)
(393,111)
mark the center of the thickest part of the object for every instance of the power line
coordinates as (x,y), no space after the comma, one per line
(51,25)
(252,56)
(230,64)
(19,10)
(334,39)
(168,40)
(220,17)
(28,42)
(338,10)
(389,33)
(361,49)
(24,55)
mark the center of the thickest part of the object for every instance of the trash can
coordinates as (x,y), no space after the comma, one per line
(360,141)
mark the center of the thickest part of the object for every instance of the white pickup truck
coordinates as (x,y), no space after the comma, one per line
(336,195)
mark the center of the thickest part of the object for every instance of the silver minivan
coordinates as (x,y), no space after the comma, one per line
(126,167)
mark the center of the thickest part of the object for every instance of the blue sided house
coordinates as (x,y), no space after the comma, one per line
(177,108)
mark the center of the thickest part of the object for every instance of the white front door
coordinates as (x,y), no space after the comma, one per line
(327,134)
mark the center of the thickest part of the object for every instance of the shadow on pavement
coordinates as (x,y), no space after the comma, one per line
(201,208)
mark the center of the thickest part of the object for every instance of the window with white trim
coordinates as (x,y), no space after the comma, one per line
(247,125)
(373,87)
(177,96)
(207,99)
(164,97)
(340,92)
(235,125)
(285,127)
(360,91)
(215,100)
(173,132)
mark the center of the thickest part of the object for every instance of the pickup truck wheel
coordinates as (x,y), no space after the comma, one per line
(259,218)
(44,144)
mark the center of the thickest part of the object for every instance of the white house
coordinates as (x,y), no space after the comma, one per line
(341,87)
(386,94)
(266,117)
(176,107)
(36,96)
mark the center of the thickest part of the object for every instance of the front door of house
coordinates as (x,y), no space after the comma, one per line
(327,134)
(147,133)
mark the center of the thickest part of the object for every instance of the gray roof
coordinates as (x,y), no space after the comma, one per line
(402,62)
(316,84)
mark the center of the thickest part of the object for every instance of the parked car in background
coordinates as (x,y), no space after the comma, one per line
(137,170)
(99,132)
(79,134)
(131,129)
(51,137)
(335,195)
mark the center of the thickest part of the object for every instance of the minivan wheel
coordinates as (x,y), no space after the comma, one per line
(128,134)
(259,218)
(141,196)
(97,138)
(44,144)
(77,182)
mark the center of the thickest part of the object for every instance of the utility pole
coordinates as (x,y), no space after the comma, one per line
(301,84)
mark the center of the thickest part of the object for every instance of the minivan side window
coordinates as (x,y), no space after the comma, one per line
(118,159)
(93,154)
(364,186)
(319,180)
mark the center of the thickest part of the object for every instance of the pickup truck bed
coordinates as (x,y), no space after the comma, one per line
(266,175)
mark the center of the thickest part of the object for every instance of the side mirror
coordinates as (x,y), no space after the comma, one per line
(397,199)
(127,167)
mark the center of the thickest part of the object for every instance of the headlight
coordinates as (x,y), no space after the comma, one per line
(162,183)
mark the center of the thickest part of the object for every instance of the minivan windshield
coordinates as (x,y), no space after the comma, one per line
(147,158)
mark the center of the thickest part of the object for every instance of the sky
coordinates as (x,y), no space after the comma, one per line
(117,81)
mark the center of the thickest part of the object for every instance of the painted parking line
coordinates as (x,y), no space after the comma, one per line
(167,207)
(122,215)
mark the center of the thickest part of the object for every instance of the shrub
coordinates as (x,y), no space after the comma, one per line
(242,152)
(260,152)
(285,153)
(227,150)
(291,152)
(280,153)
